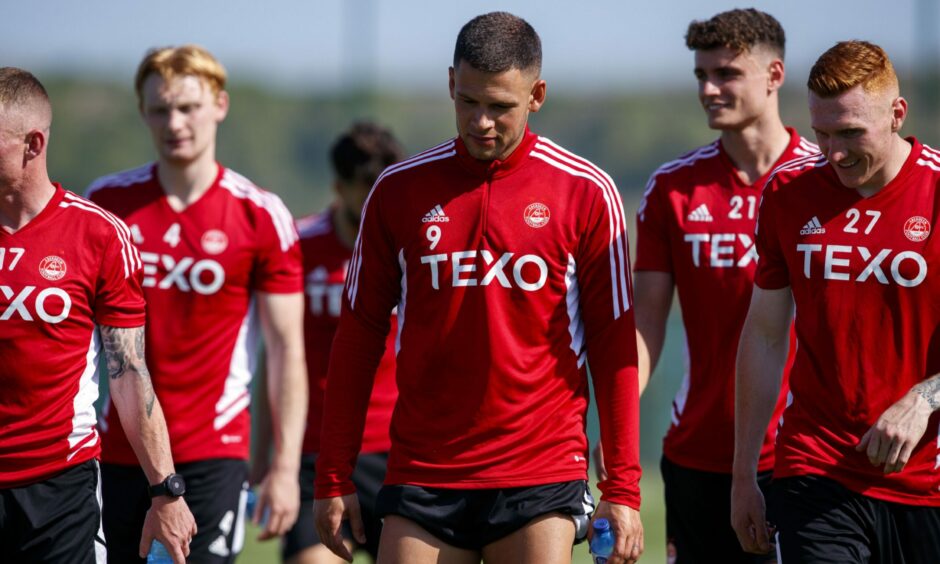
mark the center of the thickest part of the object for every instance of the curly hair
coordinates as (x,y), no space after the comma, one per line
(849,64)
(739,29)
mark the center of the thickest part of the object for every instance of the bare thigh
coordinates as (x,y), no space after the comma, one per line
(545,540)
(405,542)
(317,554)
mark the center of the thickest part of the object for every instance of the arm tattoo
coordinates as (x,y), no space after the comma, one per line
(124,352)
(929,389)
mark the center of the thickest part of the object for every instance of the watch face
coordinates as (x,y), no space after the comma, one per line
(176,485)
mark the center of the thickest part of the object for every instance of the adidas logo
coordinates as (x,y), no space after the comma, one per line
(701,213)
(813,227)
(436,215)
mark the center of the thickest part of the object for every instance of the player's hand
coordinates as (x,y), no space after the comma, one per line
(891,440)
(749,516)
(598,455)
(627,529)
(328,514)
(279,496)
(169,521)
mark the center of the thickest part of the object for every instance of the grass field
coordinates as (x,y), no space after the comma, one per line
(652,511)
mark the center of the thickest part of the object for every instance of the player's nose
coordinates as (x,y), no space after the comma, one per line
(707,87)
(175,120)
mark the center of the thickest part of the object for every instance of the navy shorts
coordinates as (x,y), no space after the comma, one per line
(216,492)
(473,519)
(820,520)
(698,517)
(367,476)
(55,520)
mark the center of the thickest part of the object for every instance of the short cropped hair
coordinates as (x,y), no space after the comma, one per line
(364,151)
(186,60)
(849,64)
(20,89)
(497,42)
(739,30)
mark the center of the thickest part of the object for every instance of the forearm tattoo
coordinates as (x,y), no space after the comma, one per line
(929,389)
(124,352)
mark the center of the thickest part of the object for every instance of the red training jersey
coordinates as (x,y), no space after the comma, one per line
(865,276)
(326,260)
(69,270)
(201,269)
(510,278)
(696,221)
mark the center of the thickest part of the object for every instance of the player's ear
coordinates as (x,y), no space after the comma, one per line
(222,103)
(898,113)
(776,73)
(451,82)
(537,95)
(36,141)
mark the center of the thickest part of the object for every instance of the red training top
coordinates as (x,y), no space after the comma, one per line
(696,222)
(202,268)
(326,260)
(510,278)
(865,276)
(70,269)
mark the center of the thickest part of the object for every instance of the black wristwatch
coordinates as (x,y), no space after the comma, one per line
(173,486)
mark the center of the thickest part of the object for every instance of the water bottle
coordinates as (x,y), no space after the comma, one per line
(251,502)
(158,554)
(602,543)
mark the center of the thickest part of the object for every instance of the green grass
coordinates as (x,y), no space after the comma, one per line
(653,514)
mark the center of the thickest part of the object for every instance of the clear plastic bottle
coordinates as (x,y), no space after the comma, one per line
(602,543)
(251,502)
(158,554)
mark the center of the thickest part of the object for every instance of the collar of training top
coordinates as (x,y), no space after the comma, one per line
(497,168)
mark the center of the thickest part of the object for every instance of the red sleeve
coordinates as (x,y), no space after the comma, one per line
(119,299)
(373,287)
(652,230)
(772,271)
(603,274)
(279,265)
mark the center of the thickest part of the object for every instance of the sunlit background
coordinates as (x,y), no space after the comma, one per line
(620,92)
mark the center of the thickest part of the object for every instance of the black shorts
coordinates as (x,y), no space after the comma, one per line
(216,492)
(698,516)
(473,519)
(55,520)
(367,476)
(820,520)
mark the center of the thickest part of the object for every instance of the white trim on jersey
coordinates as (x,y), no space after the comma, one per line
(402,302)
(84,434)
(129,254)
(930,158)
(805,148)
(443,151)
(682,395)
(617,245)
(314,225)
(688,159)
(573,301)
(283,221)
(815,160)
(122,179)
(235,394)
